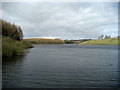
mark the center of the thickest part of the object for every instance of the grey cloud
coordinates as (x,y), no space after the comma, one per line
(64,20)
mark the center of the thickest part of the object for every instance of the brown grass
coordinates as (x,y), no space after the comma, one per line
(45,41)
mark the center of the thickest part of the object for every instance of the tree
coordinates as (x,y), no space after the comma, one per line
(11,30)
(101,37)
(109,36)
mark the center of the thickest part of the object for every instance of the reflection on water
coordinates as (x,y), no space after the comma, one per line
(12,60)
(0,78)
(61,66)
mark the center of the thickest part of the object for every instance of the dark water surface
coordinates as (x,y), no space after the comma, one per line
(63,66)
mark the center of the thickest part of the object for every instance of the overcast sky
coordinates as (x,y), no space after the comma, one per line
(65,20)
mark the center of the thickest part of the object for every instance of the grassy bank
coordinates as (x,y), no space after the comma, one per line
(109,41)
(45,41)
(12,47)
(12,40)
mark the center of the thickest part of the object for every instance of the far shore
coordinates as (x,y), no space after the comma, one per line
(108,41)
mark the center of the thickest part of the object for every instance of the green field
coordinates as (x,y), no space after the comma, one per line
(109,41)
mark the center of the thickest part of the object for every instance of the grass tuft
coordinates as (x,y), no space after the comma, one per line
(12,47)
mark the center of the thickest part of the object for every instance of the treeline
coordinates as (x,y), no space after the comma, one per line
(12,40)
(104,37)
(46,41)
(11,30)
(69,42)
(75,41)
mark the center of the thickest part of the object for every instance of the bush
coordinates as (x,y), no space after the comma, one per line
(12,47)
(11,30)
(68,42)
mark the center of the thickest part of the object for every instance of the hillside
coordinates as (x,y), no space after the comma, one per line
(45,41)
(109,41)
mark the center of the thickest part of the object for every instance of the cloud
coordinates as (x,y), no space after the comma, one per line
(66,20)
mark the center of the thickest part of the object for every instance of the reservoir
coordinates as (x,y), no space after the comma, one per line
(63,66)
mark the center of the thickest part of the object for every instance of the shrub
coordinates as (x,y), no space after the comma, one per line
(12,47)
(68,42)
(11,30)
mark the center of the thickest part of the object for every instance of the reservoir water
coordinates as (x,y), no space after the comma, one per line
(63,66)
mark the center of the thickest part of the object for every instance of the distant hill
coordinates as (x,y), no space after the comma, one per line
(109,41)
(45,41)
